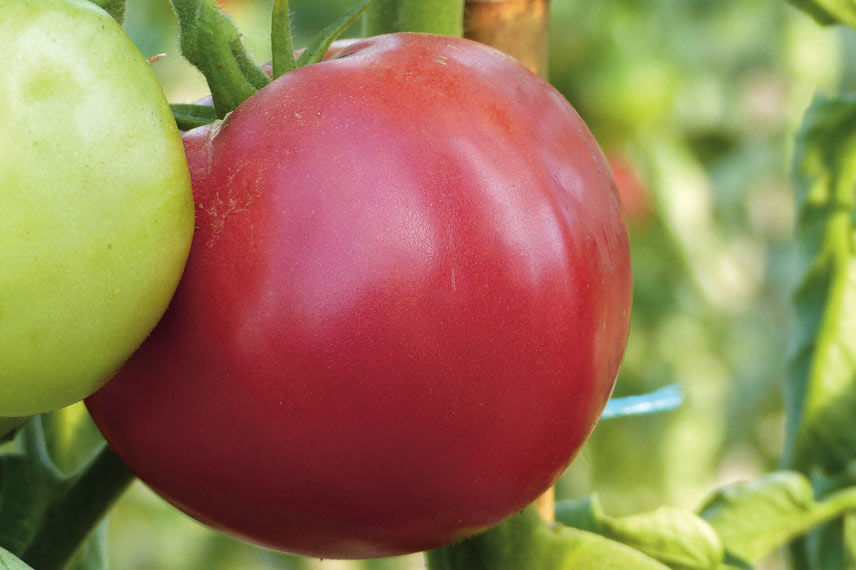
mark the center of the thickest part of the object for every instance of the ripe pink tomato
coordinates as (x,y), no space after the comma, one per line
(406,303)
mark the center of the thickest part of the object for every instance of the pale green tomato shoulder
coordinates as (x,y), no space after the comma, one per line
(96,209)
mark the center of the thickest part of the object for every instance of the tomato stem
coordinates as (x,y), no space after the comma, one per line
(211,41)
(518,542)
(518,27)
(72,516)
(281,39)
(428,16)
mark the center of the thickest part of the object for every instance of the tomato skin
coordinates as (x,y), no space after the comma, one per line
(404,309)
(96,208)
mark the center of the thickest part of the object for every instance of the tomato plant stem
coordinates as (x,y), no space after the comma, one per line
(280,37)
(75,512)
(428,16)
(513,544)
(517,27)
(211,41)
(380,18)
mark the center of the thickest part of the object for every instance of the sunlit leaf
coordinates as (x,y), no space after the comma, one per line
(93,554)
(850,539)
(675,537)
(189,116)
(755,518)
(10,562)
(526,541)
(822,384)
(30,481)
(829,11)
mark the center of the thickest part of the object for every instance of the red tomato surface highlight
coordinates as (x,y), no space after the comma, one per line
(406,303)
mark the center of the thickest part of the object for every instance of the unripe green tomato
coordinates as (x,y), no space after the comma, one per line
(96,210)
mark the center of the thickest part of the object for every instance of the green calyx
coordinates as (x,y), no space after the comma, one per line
(211,41)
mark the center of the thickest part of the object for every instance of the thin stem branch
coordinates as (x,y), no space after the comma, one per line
(77,511)
(211,42)
(281,40)
(35,449)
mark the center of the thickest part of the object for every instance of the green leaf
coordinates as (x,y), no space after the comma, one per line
(822,384)
(850,540)
(93,554)
(46,516)
(831,546)
(662,400)
(824,546)
(77,509)
(319,46)
(732,561)
(570,549)
(753,519)
(526,541)
(211,41)
(71,437)
(10,562)
(673,536)
(9,427)
(191,116)
(30,481)
(116,8)
(829,11)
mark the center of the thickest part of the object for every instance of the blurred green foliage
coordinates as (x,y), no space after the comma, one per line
(696,104)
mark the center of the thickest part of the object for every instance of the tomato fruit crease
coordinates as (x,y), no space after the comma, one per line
(404,309)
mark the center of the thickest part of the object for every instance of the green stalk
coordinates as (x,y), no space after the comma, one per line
(381,18)
(427,16)
(280,39)
(211,41)
(433,16)
(77,510)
